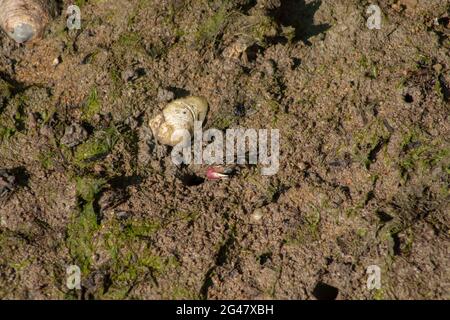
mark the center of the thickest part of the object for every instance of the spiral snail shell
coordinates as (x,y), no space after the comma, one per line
(25,20)
(177,117)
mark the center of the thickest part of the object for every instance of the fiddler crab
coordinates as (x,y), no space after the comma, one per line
(219,173)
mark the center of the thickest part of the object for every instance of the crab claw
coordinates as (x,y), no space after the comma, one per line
(214,174)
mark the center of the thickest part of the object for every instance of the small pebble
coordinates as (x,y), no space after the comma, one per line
(56,61)
(438,68)
(302,166)
(257,215)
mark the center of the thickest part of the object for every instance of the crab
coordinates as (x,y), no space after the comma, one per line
(219,173)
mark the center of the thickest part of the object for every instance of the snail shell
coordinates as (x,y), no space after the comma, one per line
(179,115)
(25,20)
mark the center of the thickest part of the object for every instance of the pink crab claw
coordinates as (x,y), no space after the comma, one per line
(214,174)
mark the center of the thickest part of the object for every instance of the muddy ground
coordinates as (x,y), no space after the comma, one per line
(364,157)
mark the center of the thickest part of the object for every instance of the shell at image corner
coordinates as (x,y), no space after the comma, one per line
(178,116)
(25,20)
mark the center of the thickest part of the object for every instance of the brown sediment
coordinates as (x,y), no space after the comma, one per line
(363,117)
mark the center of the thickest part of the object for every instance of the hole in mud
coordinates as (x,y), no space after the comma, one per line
(191,180)
(22,176)
(249,4)
(59,6)
(397,244)
(444,21)
(121,182)
(239,110)
(179,92)
(324,291)
(253,51)
(264,258)
(384,217)
(445,88)
(296,62)
(408,98)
